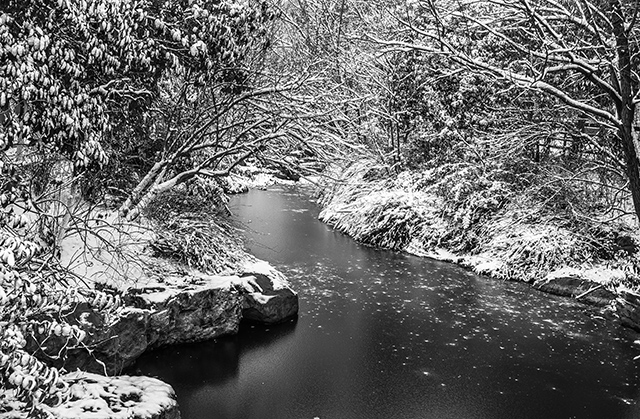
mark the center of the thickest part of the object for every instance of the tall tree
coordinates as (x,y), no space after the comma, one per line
(584,54)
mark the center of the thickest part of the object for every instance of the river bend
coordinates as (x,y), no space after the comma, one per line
(391,336)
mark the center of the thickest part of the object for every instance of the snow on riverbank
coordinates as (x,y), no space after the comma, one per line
(407,212)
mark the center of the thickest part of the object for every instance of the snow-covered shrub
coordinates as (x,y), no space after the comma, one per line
(36,295)
(191,227)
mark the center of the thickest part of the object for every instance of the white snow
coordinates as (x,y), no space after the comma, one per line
(97,397)
(262,267)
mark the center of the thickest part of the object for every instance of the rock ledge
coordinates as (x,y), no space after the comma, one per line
(180,309)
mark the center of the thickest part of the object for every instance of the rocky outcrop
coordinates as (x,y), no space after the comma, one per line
(270,298)
(179,310)
(113,341)
(207,308)
(96,396)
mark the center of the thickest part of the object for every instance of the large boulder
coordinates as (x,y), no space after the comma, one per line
(209,307)
(206,308)
(270,298)
(180,309)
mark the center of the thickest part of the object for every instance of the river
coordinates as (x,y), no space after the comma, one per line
(388,335)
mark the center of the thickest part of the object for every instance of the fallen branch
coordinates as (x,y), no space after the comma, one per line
(589,291)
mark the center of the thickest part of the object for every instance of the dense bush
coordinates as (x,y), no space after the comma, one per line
(193,228)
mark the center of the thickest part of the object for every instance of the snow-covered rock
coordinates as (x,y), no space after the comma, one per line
(97,397)
(206,307)
(270,299)
(167,303)
(181,309)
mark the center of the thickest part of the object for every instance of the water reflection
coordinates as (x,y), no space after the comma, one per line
(191,364)
(386,335)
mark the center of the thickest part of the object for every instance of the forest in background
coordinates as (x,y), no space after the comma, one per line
(511,118)
(509,114)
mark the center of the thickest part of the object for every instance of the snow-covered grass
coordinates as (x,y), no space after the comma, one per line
(185,233)
(469,215)
(192,228)
(376,211)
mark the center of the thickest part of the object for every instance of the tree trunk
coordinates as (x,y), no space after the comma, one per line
(133,211)
(626,109)
(153,176)
(632,168)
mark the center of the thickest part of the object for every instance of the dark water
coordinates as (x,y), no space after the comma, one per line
(386,335)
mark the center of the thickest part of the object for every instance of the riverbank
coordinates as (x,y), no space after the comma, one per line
(490,232)
(177,275)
